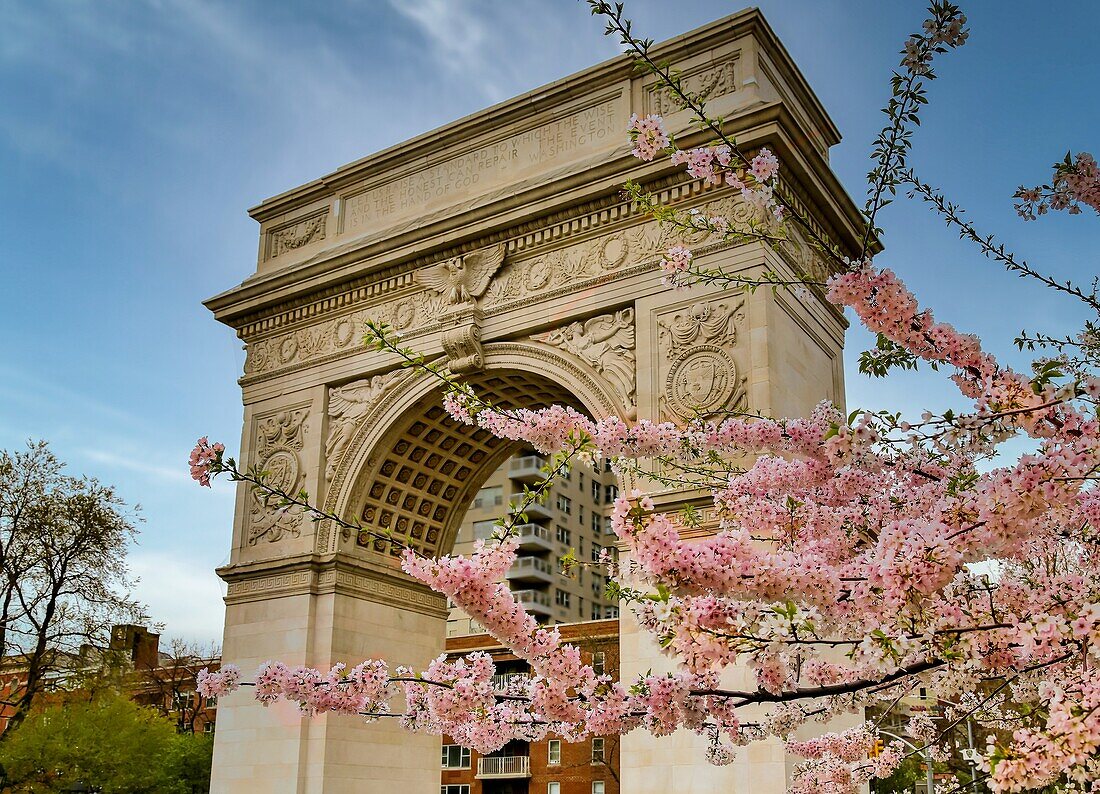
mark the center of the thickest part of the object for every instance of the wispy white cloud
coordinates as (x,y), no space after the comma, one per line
(457,35)
(182,593)
(138,464)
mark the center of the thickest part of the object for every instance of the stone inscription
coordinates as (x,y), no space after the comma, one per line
(588,130)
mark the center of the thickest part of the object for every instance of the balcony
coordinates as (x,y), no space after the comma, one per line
(534,601)
(504,766)
(527,469)
(530,569)
(533,537)
(500,680)
(533,510)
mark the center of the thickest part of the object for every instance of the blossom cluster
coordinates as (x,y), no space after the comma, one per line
(648,135)
(945,29)
(205,458)
(225,680)
(1076,181)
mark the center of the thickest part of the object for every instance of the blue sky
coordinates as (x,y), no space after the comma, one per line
(134,134)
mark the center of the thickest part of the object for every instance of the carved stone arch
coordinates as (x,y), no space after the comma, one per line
(411,469)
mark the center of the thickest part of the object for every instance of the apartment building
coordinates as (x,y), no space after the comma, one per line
(575,516)
(552,766)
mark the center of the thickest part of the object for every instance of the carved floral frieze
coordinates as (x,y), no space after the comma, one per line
(570,267)
(297,234)
(705,82)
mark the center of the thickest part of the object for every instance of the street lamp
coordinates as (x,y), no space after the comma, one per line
(930,779)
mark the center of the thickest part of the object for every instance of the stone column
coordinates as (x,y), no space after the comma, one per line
(318,612)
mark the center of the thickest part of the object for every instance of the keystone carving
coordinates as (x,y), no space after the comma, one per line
(279,440)
(605,343)
(462,279)
(347,406)
(462,342)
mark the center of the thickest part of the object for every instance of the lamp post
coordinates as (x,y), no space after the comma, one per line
(930,779)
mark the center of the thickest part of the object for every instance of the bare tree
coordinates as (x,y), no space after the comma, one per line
(168,684)
(63,543)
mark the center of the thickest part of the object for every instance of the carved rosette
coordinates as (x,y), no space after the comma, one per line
(606,344)
(700,371)
(279,441)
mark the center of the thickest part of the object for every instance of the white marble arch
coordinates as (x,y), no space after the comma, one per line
(352,602)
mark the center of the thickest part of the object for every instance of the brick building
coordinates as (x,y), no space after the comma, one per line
(133,661)
(552,766)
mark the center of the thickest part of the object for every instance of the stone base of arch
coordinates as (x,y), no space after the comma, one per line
(314,610)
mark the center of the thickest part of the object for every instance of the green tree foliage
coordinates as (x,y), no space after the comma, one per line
(108,743)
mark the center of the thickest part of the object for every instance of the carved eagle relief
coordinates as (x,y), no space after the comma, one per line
(463,278)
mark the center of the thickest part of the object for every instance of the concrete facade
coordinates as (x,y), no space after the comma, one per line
(500,245)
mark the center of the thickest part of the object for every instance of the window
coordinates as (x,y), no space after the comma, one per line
(597,787)
(561,598)
(580,606)
(610,612)
(597,612)
(610,493)
(553,787)
(181,701)
(492,496)
(456,757)
(553,754)
(564,535)
(211,702)
(208,727)
(565,504)
(597,524)
(599,662)
(597,490)
(580,548)
(596,549)
(607,526)
(483,530)
(580,482)
(463,788)
(597,750)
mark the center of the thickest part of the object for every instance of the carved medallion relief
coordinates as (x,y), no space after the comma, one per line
(698,348)
(278,445)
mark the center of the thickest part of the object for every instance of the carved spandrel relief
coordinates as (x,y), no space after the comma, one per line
(704,82)
(605,343)
(348,405)
(699,369)
(297,234)
(279,441)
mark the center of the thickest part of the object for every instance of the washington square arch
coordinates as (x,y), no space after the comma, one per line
(502,245)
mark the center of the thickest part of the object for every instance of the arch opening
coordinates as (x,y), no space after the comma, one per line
(426,470)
